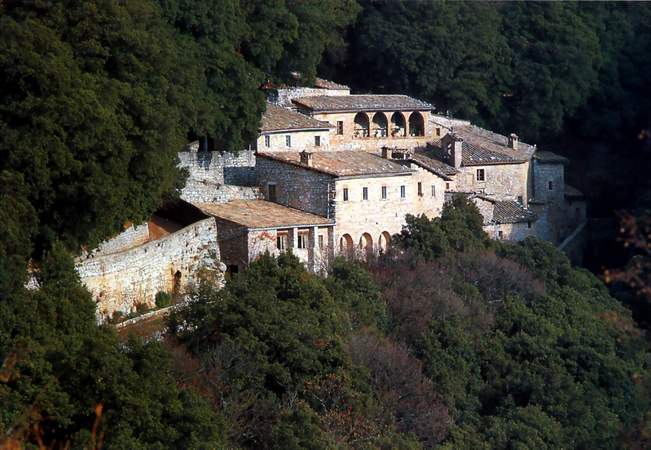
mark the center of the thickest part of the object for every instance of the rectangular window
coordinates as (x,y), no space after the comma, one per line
(302,240)
(384,192)
(364,193)
(520,199)
(438,131)
(267,141)
(345,194)
(433,190)
(271,192)
(420,189)
(317,141)
(500,234)
(447,186)
(340,127)
(529,224)
(320,241)
(288,141)
(281,242)
(550,185)
(481,175)
(403,192)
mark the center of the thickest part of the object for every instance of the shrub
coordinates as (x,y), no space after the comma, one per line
(163,299)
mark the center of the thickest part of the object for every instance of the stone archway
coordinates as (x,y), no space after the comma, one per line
(361,127)
(384,242)
(366,244)
(346,247)
(398,125)
(380,125)
(416,124)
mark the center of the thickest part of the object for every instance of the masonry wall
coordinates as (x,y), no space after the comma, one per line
(347,141)
(218,177)
(120,281)
(543,173)
(130,237)
(504,181)
(510,231)
(284,97)
(296,187)
(300,140)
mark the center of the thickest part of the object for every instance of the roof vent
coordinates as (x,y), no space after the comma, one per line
(513,141)
(306,158)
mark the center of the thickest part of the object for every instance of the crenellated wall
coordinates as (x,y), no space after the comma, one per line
(120,281)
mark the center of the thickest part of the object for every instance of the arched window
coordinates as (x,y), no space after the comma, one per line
(398,126)
(346,245)
(384,241)
(380,125)
(366,244)
(176,284)
(416,124)
(361,125)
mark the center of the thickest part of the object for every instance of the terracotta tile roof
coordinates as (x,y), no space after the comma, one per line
(434,165)
(277,118)
(261,214)
(481,146)
(508,211)
(327,84)
(571,191)
(353,103)
(343,163)
(550,157)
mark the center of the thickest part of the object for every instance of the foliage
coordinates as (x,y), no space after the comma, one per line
(59,365)
(163,299)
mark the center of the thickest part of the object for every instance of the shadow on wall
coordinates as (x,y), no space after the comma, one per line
(239,176)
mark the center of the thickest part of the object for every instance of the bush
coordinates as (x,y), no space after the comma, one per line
(163,299)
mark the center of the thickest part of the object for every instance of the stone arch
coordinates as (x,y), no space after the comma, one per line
(398,124)
(346,246)
(366,244)
(384,241)
(380,125)
(416,124)
(361,127)
(176,283)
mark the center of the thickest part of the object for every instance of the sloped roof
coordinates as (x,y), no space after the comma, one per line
(327,84)
(342,163)
(434,165)
(262,214)
(277,118)
(508,211)
(550,157)
(571,191)
(481,146)
(354,103)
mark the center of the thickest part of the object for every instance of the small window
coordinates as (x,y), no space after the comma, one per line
(364,193)
(529,224)
(520,199)
(288,141)
(384,192)
(340,127)
(320,241)
(433,190)
(420,189)
(447,186)
(345,194)
(550,185)
(500,234)
(438,131)
(481,175)
(403,192)
(271,192)
(302,240)
(317,141)
(267,141)
(281,242)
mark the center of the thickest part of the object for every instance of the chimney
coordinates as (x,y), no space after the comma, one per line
(457,151)
(306,158)
(513,141)
(385,152)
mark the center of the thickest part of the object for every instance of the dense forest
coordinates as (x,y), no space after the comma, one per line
(453,341)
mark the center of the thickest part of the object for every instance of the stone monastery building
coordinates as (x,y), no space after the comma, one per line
(334,173)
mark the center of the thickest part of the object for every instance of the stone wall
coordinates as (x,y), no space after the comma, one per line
(503,181)
(296,187)
(347,141)
(543,173)
(510,231)
(284,96)
(120,281)
(129,238)
(300,140)
(218,177)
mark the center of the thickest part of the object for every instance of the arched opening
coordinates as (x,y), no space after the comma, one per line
(346,245)
(380,125)
(398,126)
(384,242)
(366,244)
(361,128)
(416,124)
(176,283)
